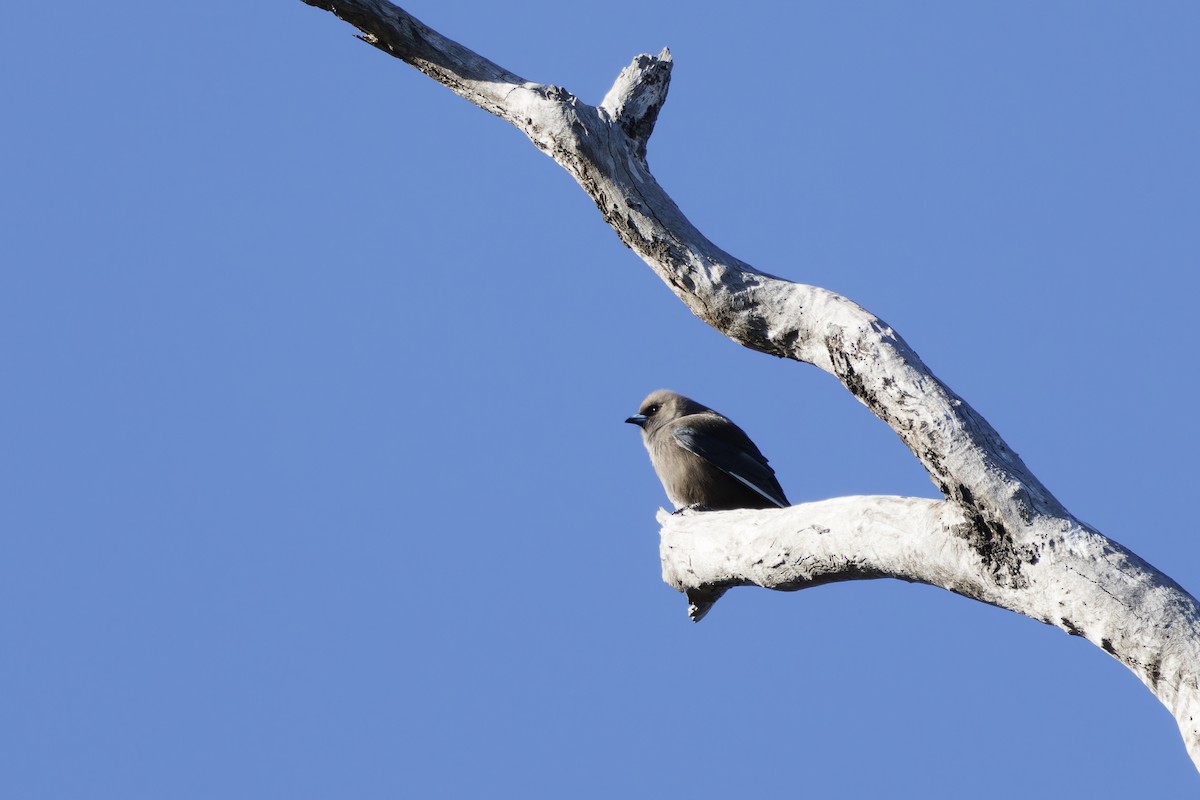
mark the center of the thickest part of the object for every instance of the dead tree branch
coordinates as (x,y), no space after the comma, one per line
(999,536)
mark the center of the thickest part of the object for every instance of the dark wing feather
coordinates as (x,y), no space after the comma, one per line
(727,448)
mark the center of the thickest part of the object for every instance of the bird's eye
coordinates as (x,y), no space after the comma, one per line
(652,410)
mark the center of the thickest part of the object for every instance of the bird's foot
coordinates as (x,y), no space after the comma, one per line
(693,507)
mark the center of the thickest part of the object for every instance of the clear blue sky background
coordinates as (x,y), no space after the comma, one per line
(314,478)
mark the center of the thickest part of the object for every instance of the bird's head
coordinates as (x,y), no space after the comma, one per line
(661,407)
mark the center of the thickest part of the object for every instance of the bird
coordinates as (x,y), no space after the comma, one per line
(704,461)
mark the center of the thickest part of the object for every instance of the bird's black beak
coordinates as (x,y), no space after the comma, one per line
(638,419)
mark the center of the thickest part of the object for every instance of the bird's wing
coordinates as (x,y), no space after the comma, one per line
(740,460)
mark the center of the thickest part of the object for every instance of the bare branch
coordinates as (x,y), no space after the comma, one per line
(999,537)
(1079,581)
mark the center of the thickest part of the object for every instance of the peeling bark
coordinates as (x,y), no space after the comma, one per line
(999,536)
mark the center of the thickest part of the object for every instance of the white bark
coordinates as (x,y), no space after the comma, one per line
(999,536)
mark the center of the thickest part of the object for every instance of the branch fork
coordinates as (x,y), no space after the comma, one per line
(998,535)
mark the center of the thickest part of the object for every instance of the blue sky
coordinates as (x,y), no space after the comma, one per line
(314,476)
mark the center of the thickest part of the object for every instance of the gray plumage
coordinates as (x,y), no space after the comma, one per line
(702,458)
